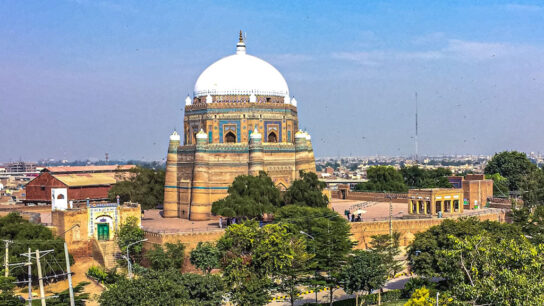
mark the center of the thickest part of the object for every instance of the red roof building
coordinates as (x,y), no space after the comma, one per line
(83,182)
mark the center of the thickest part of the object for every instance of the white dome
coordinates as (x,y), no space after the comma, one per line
(241,74)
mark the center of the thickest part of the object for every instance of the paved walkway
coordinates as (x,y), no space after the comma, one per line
(339,294)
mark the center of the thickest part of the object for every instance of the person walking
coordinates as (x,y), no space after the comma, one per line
(220,222)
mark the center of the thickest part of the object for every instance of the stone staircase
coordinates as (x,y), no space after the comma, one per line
(105,252)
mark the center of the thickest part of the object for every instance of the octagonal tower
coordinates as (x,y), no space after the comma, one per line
(240,120)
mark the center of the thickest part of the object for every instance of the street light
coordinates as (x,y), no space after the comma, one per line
(129,265)
(315,272)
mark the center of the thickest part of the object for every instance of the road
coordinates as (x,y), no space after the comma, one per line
(339,294)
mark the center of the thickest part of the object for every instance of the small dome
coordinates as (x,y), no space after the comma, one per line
(175,136)
(241,74)
(188,100)
(255,134)
(300,134)
(201,135)
(294,101)
(308,137)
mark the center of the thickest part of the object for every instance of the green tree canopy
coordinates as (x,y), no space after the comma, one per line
(130,232)
(253,256)
(308,190)
(423,253)
(249,197)
(145,186)
(383,178)
(416,177)
(26,235)
(365,271)
(388,249)
(331,238)
(490,272)
(500,185)
(165,288)
(531,222)
(170,257)
(205,256)
(513,165)
(7,297)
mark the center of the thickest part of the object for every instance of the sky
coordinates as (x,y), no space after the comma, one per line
(81,78)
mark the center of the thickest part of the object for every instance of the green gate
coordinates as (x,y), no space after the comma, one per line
(103,231)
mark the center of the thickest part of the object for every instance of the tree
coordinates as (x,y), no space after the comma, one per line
(512,165)
(383,178)
(171,258)
(249,197)
(6,292)
(252,256)
(205,256)
(130,232)
(531,222)
(63,298)
(291,275)
(365,271)
(423,253)
(508,272)
(165,288)
(331,239)
(388,249)
(532,188)
(26,235)
(145,186)
(308,190)
(500,185)
(416,177)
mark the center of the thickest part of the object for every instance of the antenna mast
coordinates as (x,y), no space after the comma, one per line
(415,139)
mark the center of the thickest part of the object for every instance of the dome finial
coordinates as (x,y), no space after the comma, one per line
(241,46)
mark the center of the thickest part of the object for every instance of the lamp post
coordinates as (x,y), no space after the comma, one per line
(129,265)
(315,272)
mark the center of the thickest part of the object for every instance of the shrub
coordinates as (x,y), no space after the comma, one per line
(416,283)
(387,296)
(103,276)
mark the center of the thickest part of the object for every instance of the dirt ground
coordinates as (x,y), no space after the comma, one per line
(79,269)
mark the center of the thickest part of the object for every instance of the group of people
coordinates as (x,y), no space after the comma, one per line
(229,221)
(352,218)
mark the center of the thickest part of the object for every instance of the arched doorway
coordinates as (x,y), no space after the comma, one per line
(272,137)
(230,137)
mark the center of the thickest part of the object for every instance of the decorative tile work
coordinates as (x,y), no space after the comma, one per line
(274,126)
(227,122)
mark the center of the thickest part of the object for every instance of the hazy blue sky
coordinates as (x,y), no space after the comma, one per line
(81,78)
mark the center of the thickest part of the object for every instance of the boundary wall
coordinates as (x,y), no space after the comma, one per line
(361,231)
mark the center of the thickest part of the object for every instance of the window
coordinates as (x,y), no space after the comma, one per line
(456,205)
(438,206)
(230,137)
(447,205)
(272,137)
(60,197)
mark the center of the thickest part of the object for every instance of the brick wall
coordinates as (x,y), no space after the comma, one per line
(361,231)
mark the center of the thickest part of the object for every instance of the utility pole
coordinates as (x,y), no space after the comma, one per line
(42,292)
(71,289)
(29,267)
(6,259)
